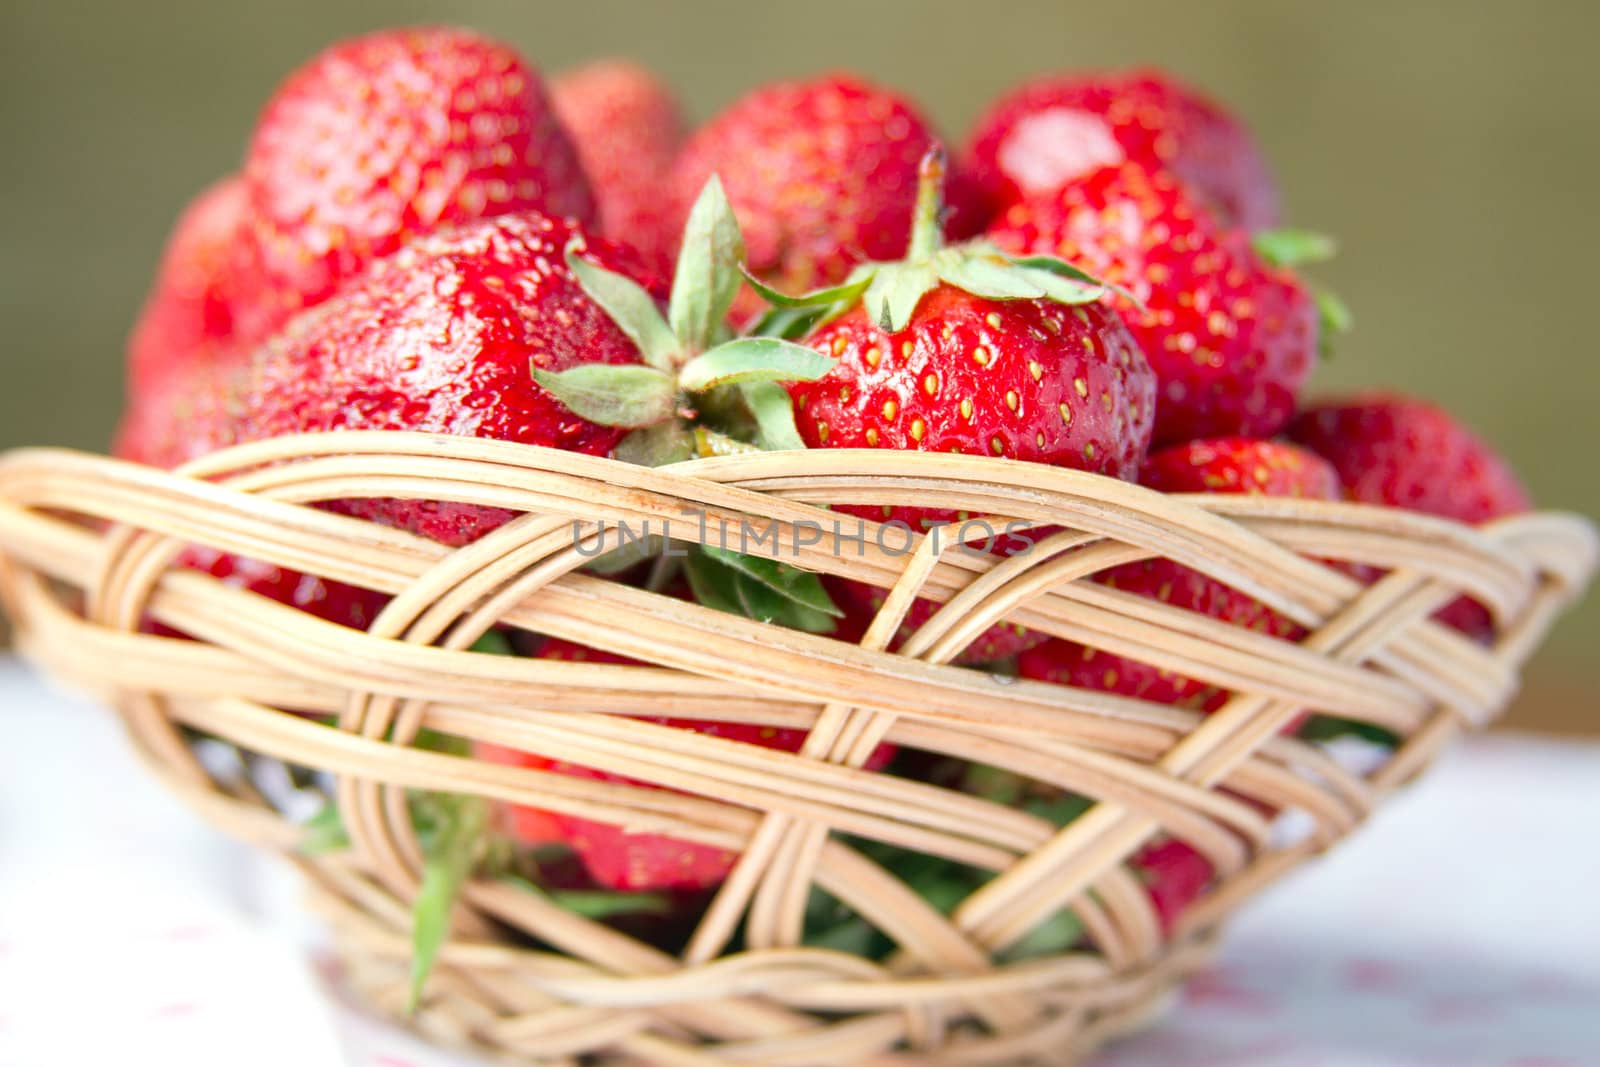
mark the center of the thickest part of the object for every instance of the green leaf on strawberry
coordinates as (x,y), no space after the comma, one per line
(1056,934)
(891,291)
(845,292)
(451,849)
(658,445)
(772,408)
(800,586)
(612,395)
(753,359)
(324,832)
(1330,727)
(707,277)
(691,368)
(630,307)
(597,904)
(788,323)
(1288,247)
(787,596)
(493,643)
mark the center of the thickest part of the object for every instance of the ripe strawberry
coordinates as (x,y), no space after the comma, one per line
(389,135)
(439,337)
(1403,452)
(967,351)
(187,320)
(822,174)
(346,605)
(1174,875)
(1057,129)
(175,417)
(615,858)
(1231,338)
(1227,465)
(627,127)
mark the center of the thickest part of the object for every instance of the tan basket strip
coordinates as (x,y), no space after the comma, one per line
(1312,698)
(927,936)
(731,1017)
(623,955)
(1211,749)
(1397,665)
(389,941)
(786,856)
(185,654)
(1006,908)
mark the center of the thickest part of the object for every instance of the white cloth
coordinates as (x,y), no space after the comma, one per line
(1462,928)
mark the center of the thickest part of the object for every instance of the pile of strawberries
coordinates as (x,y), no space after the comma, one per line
(422,236)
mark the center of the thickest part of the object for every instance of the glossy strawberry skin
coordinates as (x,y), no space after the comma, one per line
(1232,339)
(1227,465)
(172,418)
(389,135)
(1057,129)
(187,319)
(627,128)
(1402,452)
(335,602)
(615,858)
(822,175)
(1020,379)
(1017,379)
(439,338)
(1175,876)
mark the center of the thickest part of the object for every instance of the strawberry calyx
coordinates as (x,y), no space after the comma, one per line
(692,367)
(700,391)
(1289,248)
(891,291)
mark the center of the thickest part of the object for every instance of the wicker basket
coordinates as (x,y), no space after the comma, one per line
(86,545)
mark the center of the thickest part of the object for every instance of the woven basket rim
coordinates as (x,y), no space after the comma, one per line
(1371,654)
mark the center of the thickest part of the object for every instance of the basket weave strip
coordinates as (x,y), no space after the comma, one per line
(78,529)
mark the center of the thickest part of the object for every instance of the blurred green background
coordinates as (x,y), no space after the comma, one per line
(1452,147)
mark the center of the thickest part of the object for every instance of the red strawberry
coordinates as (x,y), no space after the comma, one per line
(615,858)
(1057,129)
(178,416)
(1227,465)
(439,337)
(1174,875)
(627,127)
(187,320)
(1408,453)
(1231,338)
(347,605)
(389,135)
(822,175)
(1049,378)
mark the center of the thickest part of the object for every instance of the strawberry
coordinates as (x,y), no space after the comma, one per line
(346,605)
(439,337)
(1402,452)
(1175,876)
(963,350)
(822,174)
(615,858)
(627,127)
(389,135)
(1226,465)
(1231,337)
(187,320)
(174,417)
(1057,129)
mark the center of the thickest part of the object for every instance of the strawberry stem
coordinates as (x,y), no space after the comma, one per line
(927,229)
